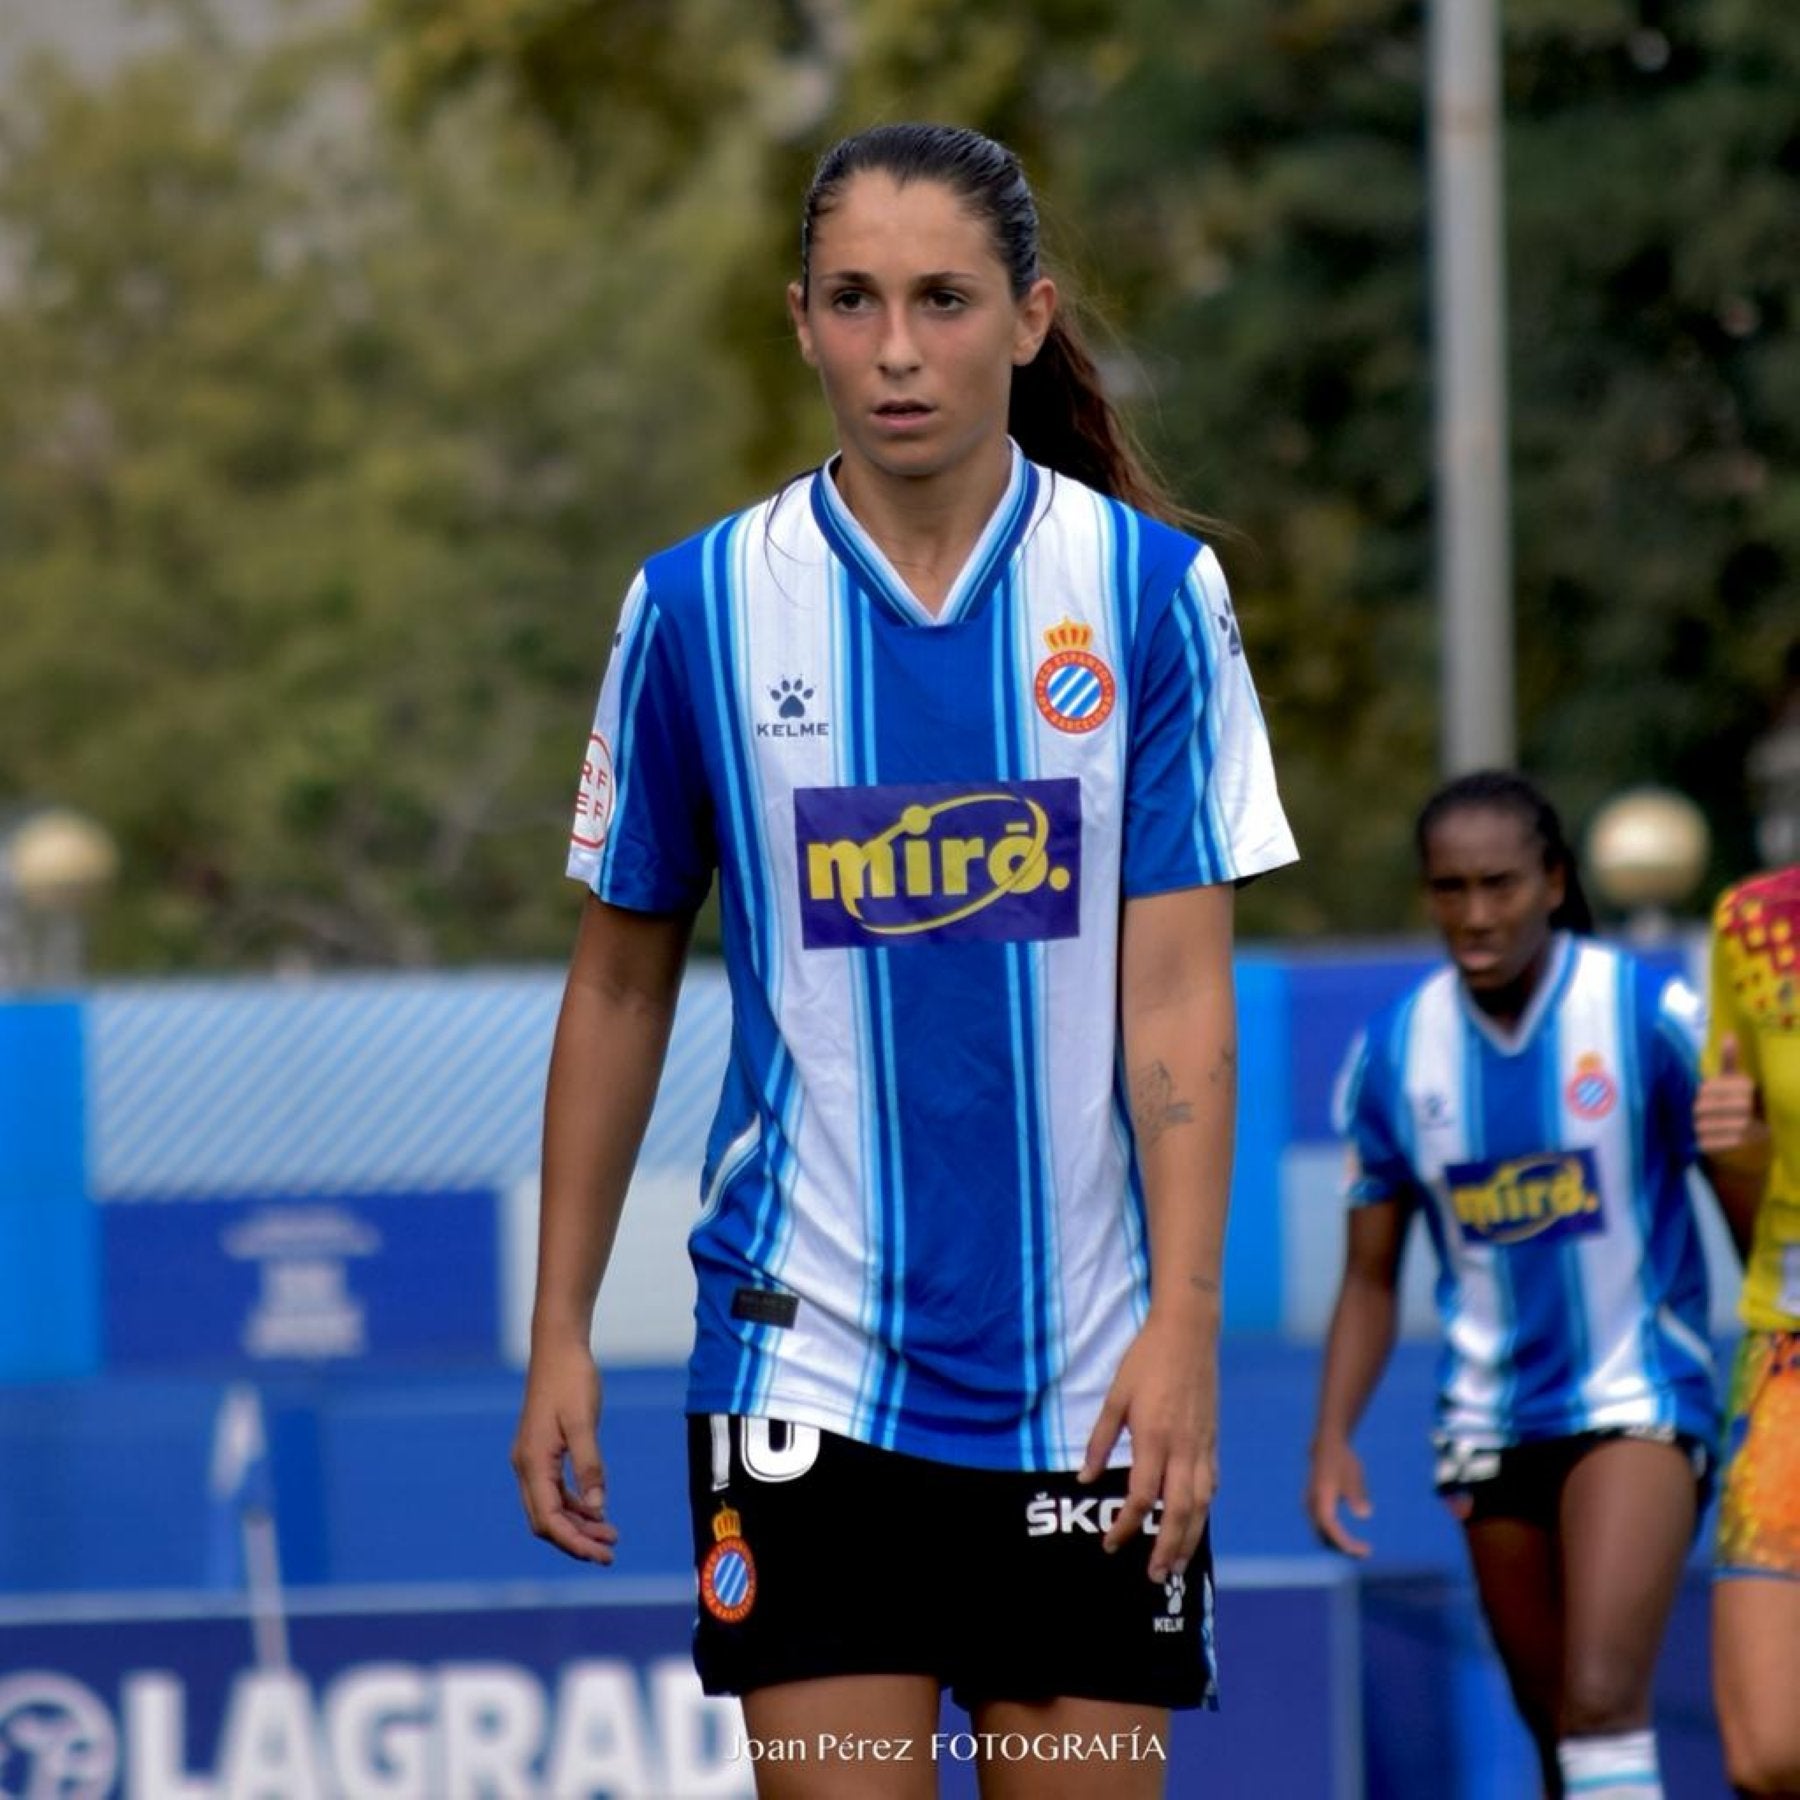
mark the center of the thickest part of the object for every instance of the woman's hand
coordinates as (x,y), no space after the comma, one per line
(1728,1117)
(1336,1480)
(1167,1393)
(556,1453)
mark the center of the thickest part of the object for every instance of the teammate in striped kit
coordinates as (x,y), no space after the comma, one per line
(1531,1103)
(969,739)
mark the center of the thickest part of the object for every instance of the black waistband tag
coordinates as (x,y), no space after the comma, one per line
(763,1306)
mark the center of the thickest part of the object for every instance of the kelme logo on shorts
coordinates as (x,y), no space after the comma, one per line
(993,861)
(1553,1194)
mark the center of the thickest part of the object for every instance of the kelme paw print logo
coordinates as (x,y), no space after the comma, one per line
(1175,1591)
(791,697)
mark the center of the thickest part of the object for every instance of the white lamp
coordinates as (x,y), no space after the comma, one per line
(1647,850)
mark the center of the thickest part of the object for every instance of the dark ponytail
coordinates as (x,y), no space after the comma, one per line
(1501,790)
(1059,414)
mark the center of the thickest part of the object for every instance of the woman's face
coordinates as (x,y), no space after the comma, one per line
(1491,898)
(910,319)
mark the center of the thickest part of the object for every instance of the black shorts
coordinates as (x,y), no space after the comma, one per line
(818,1556)
(1525,1481)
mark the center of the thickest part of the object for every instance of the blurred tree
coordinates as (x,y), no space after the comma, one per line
(1256,191)
(363,371)
(320,475)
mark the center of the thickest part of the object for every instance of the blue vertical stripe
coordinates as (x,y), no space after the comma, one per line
(893,1300)
(1575,1339)
(1036,960)
(1030,1122)
(749,857)
(888,1251)
(1634,1094)
(49,1230)
(775,1226)
(1120,541)
(1253,1276)
(878,1389)
(869,1381)
(636,651)
(1197,648)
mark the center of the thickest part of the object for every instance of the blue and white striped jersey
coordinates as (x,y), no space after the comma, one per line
(1550,1167)
(922,1225)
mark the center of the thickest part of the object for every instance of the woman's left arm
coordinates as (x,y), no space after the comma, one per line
(1178,1018)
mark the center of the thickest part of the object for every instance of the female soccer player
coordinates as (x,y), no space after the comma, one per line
(1747,1121)
(969,741)
(1532,1102)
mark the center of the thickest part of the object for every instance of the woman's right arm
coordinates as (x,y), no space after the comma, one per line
(1363,1327)
(611,1035)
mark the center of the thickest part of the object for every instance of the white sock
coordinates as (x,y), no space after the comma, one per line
(1619,1766)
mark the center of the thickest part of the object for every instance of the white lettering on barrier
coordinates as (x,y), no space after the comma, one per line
(155,1732)
(600,1745)
(271,1745)
(378,1732)
(491,1720)
(699,1735)
(462,1731)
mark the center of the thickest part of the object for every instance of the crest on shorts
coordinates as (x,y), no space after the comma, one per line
(1591,1092)
(1074,689)
(728,1576)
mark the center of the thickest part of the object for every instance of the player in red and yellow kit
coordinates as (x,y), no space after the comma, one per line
(1747,1121)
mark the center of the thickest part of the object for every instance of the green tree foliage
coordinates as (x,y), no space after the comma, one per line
(1258,194)
(348,381)
(324,455)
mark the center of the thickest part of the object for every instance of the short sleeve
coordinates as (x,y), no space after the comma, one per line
(1725,1013)
(1377,1167)
(1680,1029)
(1201,805)
(643,833)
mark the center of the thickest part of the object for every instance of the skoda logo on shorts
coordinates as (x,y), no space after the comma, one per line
(56,1740)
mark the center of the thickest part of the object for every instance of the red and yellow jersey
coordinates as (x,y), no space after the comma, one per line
(1756,996)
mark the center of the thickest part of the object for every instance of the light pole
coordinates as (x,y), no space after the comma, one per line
(1473,505)
(58,863)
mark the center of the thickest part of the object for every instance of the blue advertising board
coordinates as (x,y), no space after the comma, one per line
(362,1279)
(541,1694)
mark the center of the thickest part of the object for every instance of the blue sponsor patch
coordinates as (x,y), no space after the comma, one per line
(1551,1194)
(987,862)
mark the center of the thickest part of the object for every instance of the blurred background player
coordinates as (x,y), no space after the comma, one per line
(1532,1103)
(1747,1123)
(973,749)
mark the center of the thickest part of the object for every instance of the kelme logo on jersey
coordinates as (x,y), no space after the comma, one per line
(1547,1196)
(992,862)
(1074,689)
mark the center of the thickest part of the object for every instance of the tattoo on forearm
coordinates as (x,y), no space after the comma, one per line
(1226,1067)
(1154,1107)
(1203,1285)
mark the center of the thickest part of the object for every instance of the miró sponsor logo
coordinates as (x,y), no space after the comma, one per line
(891,865)
(1549,1195)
